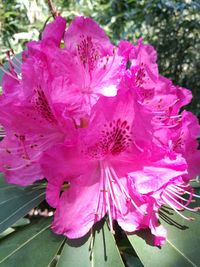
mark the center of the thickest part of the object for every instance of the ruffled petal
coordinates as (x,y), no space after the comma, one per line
(19,162)
(55,30)
(154,176)
(82,27)
(159,232)
(76,212)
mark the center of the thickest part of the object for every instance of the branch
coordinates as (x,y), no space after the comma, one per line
(52,9)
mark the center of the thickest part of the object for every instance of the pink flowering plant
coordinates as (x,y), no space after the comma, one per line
(103,127)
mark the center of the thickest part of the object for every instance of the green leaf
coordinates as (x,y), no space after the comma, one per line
(150,255)
(7,232)
(195,183)
(16,202)
(99,250)
(21,222)
(31,246)
(132,261)
(182,245)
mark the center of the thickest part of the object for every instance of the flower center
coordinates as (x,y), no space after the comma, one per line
(42,106)
(114,196)
(115,138)
(87,53)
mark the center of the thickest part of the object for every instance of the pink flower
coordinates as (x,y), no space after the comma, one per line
(54,31)
(102,126)
(89,66)
(44,98)
(111,170)
(180,134)
(29,118)
(154,91)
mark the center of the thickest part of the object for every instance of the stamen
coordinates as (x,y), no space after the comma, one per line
(194,195)
(181,205)
(16,168)
(97,207)
(179,213)
(109,213)
(112,191)
(175,117)
(104,206)
(174,193)
(11,62)
(26,146)
(178,188)
(107,196)
(182,191)
(185,191)
(123,190)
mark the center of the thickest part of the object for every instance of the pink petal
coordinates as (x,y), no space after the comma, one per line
(68,165)
(83,27)
(158,231)
(16,164)
(55,30)
(154,176)
(75,214)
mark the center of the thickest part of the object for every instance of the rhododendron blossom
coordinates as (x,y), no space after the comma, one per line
(100,119)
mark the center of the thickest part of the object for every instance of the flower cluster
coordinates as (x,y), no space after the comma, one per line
(103,127)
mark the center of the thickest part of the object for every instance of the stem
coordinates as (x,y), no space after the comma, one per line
(52,8)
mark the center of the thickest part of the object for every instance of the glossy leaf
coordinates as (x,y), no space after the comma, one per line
(182,245)
(21,222)
(16,202)
(99,250)
(7,232)
(31,246)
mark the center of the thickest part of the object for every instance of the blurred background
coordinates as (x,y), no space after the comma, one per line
(173,27)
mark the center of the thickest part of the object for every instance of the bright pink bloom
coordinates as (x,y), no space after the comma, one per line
(154,91)
(28,116)
(79,31)
(104,168)
(54,31)
(89,66)
(101,121)
(180,134)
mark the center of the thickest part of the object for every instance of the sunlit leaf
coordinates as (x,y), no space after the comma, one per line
(182,245)
(6,232)
(21,222)
(31,246)
(16,202)
(99,250)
